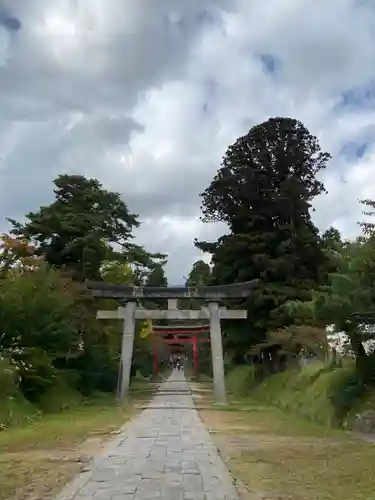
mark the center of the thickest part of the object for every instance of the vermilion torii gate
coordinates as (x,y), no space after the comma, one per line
(131,295)
(181,334)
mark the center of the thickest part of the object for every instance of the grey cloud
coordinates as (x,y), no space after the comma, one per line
(176,240)
(8,21)
(117,50)
(122,49)
(147,95)
(50,148)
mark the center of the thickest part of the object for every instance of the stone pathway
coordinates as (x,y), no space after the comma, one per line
(165,453)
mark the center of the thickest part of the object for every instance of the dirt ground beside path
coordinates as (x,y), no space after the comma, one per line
(39,458)
(278,457)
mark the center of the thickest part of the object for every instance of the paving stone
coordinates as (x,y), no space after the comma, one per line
(172,477)
(123,497)
(165,453)
(188,495)
(172,493)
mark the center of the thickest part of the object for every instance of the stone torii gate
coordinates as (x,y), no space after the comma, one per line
(131,295)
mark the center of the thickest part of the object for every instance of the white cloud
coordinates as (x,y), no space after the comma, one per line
(148,95)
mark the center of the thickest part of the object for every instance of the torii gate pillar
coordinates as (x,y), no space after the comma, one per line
(195,355)
(156,358)
(126,351)
(217,353)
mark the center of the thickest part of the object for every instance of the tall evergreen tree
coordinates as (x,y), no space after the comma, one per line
(157,277)
(332,238)
(263,192)
(200,274)
(79,229)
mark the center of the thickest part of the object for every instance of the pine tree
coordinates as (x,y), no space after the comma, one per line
(157,277)
(263,192)
(200,274)
(78,229)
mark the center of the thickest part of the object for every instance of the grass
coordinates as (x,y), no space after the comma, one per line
(38,458)
(320,392)
(364,404)
(280,457)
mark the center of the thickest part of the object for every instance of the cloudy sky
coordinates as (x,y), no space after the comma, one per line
(146,95)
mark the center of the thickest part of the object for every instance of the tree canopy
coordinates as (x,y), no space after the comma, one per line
(49,328)
(271,171)
(263,192)
(347,300)
(83,227)
(200,274)
(157,277)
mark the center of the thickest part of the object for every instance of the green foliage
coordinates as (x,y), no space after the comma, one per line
(49,327)
(143,363)
(60,395)
(200,274)
(14,407)
(77,230)
(241,379)
(298,340)
(263,192)
(281,158)
(16,410)
(364,406)
(49,331)
(291,384)
(9,378)
(157,277)
(96,370)
(331,395)
(37,320)
(205,360)
(368,227)
(346,301)
(117,272)
(320,392)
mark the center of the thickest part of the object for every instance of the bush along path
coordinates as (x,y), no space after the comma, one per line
(165,453)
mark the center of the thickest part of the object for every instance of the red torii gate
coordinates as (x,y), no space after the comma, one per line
(180,335)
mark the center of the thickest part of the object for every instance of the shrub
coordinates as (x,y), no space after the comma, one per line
(95,371)
(8,378)
(361,417)
(329,398)
(14,407)
(320,392)
(37,324)
(242,378)
(283,388)
(60,395)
